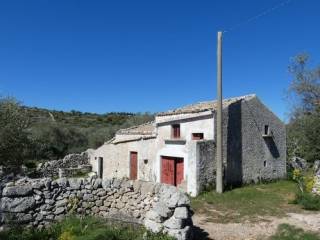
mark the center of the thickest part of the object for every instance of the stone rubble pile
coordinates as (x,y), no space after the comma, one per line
(316,185)
(39,202)
(51,168)
(298,163)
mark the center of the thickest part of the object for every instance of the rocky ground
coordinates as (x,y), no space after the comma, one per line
(261,230)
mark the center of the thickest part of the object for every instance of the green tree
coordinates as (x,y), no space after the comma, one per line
(303,130)
(304,88)
(55,140)
(14,123)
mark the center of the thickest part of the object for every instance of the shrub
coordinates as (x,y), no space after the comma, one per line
(309,183)
(31,164)
(67,235)
(308,201)
(288,232)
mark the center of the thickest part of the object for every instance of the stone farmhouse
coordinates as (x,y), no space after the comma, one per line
(178,147)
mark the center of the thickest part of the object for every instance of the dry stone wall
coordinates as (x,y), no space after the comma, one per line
(51,168)
(39,202)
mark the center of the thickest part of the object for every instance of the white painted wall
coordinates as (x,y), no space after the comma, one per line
(194,123)
(117,156)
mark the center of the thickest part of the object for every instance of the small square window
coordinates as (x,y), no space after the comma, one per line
(197,136)
(176,131)
(266,130)
(264,163)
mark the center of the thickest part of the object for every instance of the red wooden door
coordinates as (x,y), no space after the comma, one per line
(133,165)
(179,170)
(167,170)
(172,170)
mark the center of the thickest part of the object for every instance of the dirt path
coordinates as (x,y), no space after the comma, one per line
(251,231)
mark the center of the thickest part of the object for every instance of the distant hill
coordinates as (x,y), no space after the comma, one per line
(56,133)
(80,119)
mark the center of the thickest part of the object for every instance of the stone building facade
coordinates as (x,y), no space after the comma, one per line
(178,147)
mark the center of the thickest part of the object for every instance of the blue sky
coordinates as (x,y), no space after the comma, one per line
(137,56)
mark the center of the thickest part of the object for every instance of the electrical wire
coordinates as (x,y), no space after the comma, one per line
(262,14)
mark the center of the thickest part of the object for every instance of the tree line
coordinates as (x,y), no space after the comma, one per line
(39,134)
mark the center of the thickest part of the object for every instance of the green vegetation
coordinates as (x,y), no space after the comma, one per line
(55,133)
(39,134)
(86,228)
(288,232)
(308,201)
(248,202)
(13,133)
(304,196)
(303,130)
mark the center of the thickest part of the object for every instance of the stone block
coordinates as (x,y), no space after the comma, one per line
(153,226)
(174,223)
(17,191)
(181,213)
(17,205)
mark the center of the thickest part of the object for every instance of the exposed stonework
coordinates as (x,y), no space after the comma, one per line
(254,146)
(206,165)
(38,202)
(71,172)
(71,161)
(298,163)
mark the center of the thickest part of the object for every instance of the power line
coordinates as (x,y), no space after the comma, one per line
(262,14)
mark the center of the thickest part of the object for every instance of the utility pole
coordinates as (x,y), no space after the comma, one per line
(219,174)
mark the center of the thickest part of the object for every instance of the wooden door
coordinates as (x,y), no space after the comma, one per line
(133,165)
(167,170)
(100,167)
(179,171)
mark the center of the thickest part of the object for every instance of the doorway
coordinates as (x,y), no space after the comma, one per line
(100,167)
(172,170)
(133,165)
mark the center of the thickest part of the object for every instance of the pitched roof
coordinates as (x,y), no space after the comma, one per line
(143,129)
(204,106)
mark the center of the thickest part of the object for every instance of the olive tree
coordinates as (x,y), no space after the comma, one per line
(303,129)
(13,133)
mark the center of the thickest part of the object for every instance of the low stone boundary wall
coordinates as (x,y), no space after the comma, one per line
(72,172)
(38,202)
(51,168)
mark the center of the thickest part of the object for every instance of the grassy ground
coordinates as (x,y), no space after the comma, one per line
(288,232)
(249,203)
(88,228)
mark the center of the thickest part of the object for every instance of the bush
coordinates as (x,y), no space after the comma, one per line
(14,123)
(288,232)
(308,201)
(31,164)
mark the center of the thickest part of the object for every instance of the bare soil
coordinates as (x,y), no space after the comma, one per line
(256,230)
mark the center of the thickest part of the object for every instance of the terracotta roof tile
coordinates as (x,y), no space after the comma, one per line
(203,106)
(143,129)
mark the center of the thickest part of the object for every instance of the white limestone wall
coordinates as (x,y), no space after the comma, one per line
(116,159)
(196,123)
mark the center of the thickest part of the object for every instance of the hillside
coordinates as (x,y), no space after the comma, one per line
(56,133)
(81,119)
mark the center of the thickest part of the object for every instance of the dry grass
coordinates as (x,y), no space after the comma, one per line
(250,203)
